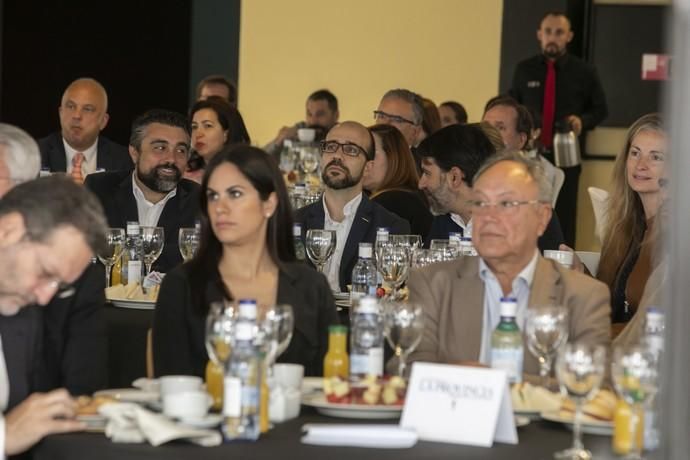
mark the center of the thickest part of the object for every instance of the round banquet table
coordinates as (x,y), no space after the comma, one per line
(539,440)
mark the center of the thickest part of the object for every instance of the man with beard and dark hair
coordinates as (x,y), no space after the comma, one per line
(561,88)
(345,154)
(450,159)
(154,194)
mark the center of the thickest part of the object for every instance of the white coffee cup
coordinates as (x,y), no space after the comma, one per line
(288,375)
(178,383)
(306,134)
(187,404)
(564,258)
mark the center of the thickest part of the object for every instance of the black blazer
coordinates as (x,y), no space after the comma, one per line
(21,345)
(179,327)
(74,339)
(110,156)
(114,189)
(411,206)
(368,218)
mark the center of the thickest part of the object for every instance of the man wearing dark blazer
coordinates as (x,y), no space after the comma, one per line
(154,194)
(78,148)
(345,155)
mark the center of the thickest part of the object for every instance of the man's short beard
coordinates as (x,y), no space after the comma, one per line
(439,201)
(547,51)
(347,181)
(156,181)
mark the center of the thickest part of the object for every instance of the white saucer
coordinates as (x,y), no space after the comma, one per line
(207,421)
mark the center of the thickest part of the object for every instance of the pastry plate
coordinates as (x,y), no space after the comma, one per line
(521,420)
(589,425)
(130,395)
(94,423)
(134,304)
(359,411)
(207,421)
(341,295)
(312,384)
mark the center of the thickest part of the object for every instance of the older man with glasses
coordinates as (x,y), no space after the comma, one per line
(403,109)
(511,208)
(345,155)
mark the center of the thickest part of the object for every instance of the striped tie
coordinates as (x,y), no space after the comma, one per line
(77,161)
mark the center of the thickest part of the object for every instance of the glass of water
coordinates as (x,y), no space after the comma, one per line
(580,370)
(547,330)
(403,327)
(393,264)
(115,241)
(320,246)
(188,241)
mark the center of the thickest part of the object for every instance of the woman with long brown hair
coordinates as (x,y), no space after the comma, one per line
(628,252)
(393,179)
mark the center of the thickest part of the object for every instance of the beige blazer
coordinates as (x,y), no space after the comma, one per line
(452,295)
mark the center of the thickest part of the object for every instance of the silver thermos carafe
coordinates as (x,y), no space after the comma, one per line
(566,145)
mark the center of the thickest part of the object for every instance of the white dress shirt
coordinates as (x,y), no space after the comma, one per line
(342,230)
(4,395)
(466,227)
(149,213)
(88,166)
(522,284)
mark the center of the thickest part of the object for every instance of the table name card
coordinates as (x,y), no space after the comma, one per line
(462,405)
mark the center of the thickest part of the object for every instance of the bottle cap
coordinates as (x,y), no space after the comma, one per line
(337,329)
(508,306)
(367,304)
(297,230)
(655,317)
(365,250)
(132,228)
(247,309)
(244,331)
(466,239)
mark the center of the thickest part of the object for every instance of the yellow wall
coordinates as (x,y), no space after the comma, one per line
(443,49)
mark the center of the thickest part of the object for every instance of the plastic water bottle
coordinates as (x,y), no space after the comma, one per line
(364,275)
(366,339)
(654,341)
(507,351)
(241,387)
(132,255)
(300,251)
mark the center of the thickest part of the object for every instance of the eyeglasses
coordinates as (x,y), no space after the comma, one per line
(378,115)
(506,207)
(349,149)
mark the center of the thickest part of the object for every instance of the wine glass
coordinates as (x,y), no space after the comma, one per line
(580,370)
(547,330)
(276,328)
(188,241)
(634,372)
(115,241)
(220,330)
(422,258)
(409,242)
(393,264)
(320,246)
(403,327)
(309,160)
(152,241)
(446,249)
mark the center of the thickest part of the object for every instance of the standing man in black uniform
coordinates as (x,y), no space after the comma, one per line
(561,87)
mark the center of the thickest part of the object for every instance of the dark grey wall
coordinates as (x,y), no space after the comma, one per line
(215,40)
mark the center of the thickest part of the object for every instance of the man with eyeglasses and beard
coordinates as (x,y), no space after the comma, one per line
(154,194)
(345,155)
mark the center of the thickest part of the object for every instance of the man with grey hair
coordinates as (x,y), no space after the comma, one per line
(154,194)
(403,109)
(510,210)
(49,230)
(20,159)
(78,148)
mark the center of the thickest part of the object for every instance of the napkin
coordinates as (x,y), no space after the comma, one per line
(131,423)
(379,436)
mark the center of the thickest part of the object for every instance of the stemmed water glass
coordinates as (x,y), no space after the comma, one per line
(320,246)
(580,370)
(309,160)
(445,249)
(188,242)
(115,241)
(152,241)
(403,327)
(220,331)
(393,264)
(276,328)
(634,372)
(422,258)
(410,242)
(547,330)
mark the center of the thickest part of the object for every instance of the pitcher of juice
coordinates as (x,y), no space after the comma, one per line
(336,363)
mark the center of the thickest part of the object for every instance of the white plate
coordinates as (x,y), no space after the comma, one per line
(130,395)
(145,384)
(341,295)
(521,421)
(208,421)
(134,304)
(530,414)
(361,411)
(343,303)
(589,425)
(311,384)
(94,423)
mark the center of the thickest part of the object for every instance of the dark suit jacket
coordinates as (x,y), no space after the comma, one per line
(411,206)
(179,326)
(110,156)
(74,338)
(22,344)
(368,218)
(443,225)
(114,189)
